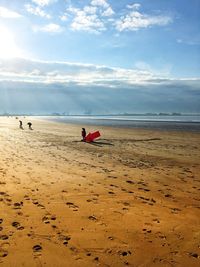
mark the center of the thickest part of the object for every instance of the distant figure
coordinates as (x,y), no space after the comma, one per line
(20,125)
(30,126)
(83,134)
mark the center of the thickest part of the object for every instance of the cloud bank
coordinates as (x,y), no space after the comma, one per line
(30,86)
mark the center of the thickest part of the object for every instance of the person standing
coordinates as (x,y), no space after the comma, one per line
(30,126)
(20,125)
(83,134)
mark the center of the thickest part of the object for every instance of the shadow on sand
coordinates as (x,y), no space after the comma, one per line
(105,142)
(146,140)
(99,142)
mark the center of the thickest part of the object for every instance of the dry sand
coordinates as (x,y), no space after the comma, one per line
(132,199)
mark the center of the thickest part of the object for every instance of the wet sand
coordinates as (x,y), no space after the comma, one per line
(130,199)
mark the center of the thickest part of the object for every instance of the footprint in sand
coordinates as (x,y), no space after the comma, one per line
(168,195)
(18,205)
(114,185)
(35,202)
(3,253)
(64,191)
(46,219)
(148,200)
(156,220)
(65,239)
(8,201)
(112,177)
(92,218)
(26,197)
(17,225)
(124,253)
(93,200)
(71,205)
(146,231)
(194,255)
(37,250)
(161,235)
(123,189)
(144,189)
(130,182)
(3,237)
(175,210)
(111,238)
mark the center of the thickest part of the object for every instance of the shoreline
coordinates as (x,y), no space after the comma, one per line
(134,124)
(151,125)
(134,192)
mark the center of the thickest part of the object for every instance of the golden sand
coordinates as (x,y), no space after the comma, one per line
(131,199)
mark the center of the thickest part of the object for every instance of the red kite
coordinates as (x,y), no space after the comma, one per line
(91,136)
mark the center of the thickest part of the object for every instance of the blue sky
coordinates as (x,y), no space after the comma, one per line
(102,44)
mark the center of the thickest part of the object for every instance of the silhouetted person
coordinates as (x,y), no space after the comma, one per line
(20,125)
(30,126)
(83,134)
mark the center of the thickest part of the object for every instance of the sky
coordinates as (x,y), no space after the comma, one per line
(99,56)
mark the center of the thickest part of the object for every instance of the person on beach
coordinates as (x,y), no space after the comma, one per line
(30,126)
(83,134)
(20,125)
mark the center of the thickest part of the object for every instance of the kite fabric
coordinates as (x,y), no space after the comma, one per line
(92,136)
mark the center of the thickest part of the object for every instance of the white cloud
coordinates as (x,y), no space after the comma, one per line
(189,41)
(62,72)
(7,13)
(99,15)
(163,71)
(50,28)
(70,87)
(90,9)
(87,23)
(108,12)
(86,20)
(142,65)
(43,3)
(101,3)
(91,18)
(134,6)
(64,17)
(136,20)
(37,11)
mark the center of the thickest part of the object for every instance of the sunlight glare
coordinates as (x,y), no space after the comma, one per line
(8,48)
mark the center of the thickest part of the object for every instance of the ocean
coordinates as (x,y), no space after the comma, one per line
(164,122)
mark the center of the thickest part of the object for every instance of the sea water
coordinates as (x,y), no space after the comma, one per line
(161,122)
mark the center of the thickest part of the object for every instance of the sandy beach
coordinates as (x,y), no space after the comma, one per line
(130,199)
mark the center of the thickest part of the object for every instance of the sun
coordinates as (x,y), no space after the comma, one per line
(8,47)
